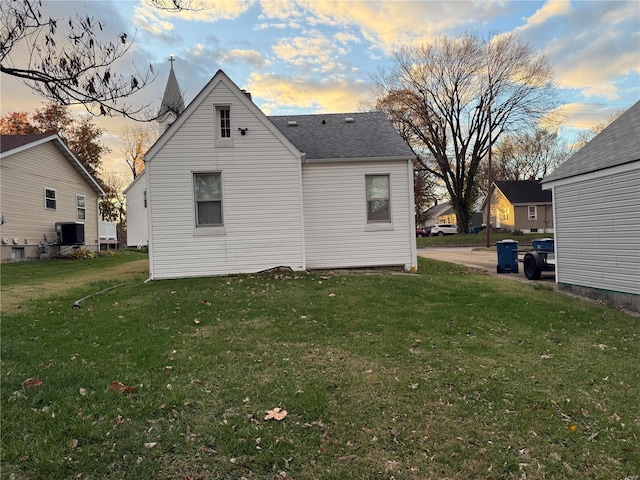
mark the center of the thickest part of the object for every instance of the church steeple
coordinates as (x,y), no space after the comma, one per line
(172,101)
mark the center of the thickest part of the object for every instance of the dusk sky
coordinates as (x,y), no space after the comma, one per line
(307,56)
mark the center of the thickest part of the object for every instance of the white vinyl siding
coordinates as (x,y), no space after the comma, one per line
(336,232)
(598,232)
(25,176)
(137,224)
(262,207)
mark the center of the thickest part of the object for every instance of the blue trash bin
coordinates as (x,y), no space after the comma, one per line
(543,244)
(507,256)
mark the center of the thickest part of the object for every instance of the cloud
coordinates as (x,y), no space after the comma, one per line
(283,94)
(551,9)
(311,54)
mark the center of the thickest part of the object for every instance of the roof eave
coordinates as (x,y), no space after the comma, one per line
(359,159)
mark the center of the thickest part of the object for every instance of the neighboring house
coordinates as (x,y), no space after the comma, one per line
(230,190)
(430,217)
(137,225)
(49,200)
(596,201)
(521,205)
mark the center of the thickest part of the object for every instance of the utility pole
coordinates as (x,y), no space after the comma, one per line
(489,171)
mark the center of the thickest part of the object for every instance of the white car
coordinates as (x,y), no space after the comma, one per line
(444,229)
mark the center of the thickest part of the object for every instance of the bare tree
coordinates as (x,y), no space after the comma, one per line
(67,62)
(455,98)
(585,136)
(526,155)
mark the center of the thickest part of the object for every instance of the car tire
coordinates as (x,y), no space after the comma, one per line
(531,269)
(441,234)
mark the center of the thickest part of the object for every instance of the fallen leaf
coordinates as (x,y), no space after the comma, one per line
(332,295)
(573,427)
(83,392)
(150,444)
(73,443)
(196,321)
(119,387)
(206,302)
(46,365)
(32,382)
(276,414)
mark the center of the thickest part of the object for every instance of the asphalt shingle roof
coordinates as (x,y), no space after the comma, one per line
(9,142)
(617,144)
(524,191)
(329,136)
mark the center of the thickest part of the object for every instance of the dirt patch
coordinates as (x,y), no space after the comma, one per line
(17,295)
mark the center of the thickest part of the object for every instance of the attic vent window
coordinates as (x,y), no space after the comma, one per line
(292,123)
(348,120)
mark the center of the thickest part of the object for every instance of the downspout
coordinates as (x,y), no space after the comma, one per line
(412,230)
(555,231)
(147,181)
(303,158)
(98,220)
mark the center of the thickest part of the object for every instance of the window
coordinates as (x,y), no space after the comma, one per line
(50,198)
(144,198)
(208,196)
(533,212)
(377,187)
(223,122)
(81,207)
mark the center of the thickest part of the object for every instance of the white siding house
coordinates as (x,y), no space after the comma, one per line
(230,190)
(137,225)
(596,201)
(43,185)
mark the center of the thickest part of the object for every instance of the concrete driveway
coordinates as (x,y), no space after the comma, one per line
(481,258)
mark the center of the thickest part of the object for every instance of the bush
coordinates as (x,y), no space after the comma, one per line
(82,254)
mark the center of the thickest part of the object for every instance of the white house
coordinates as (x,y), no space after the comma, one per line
(49,200)
(596,206)
(137,225)
(230,190)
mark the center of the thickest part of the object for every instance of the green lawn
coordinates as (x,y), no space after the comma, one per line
(478,239)
(446,373)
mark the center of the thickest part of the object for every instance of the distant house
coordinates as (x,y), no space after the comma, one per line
(444,213)
(49,200)
(137,226)
(521,205)
(230,190)
(596,203)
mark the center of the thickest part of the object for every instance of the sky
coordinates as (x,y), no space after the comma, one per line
(319,56)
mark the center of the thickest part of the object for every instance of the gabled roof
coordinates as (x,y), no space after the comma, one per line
(326,137)
(343,136)
(617,144)
(218,78)
(134,181)
(520,192)
(172,100)
(12,144)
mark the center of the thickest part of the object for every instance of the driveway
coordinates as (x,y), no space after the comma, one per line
(481,258)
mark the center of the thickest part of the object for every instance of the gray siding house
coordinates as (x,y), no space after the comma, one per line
(596,204)
(230,190)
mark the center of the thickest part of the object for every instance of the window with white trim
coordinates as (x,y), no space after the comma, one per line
(223,123)
(533,212)
(378,198)
(208,199)
(50,200)
(81,207)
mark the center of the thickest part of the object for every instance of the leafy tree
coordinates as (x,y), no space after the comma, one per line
(66,61)
(456,97)
(137,142)
(81,136)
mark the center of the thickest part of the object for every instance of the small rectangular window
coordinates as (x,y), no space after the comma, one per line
(50,198)
(225,123)
(208,197)
(144,198)
(378,199)
(81,207)
(533,212)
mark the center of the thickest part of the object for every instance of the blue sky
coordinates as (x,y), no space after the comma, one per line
(312,56)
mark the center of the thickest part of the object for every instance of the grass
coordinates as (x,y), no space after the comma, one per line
(447,373)
(477,239)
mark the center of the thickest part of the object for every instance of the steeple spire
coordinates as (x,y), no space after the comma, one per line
(172,101)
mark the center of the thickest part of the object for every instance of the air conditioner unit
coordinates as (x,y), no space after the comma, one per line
(70,233)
